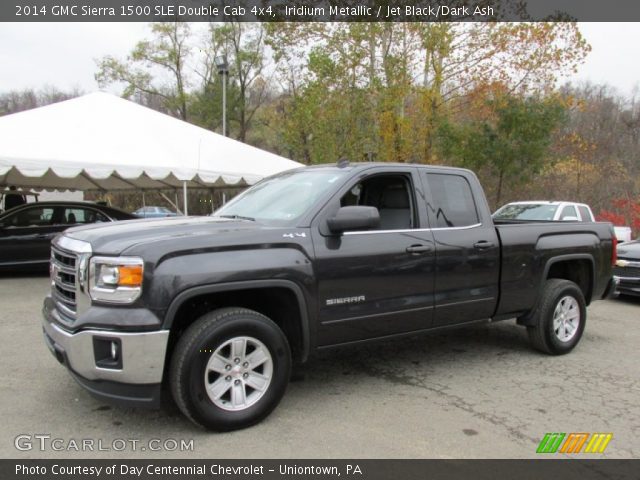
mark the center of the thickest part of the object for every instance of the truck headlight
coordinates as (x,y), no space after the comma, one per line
(115,279)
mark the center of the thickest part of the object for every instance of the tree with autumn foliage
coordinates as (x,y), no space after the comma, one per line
(596,153)
(482,95)
(624,212)
(382,89)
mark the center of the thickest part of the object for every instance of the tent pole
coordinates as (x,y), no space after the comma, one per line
(184,196)
(174,205)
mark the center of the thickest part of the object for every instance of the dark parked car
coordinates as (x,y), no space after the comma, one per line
(627,269)
(154,212)
(26,231)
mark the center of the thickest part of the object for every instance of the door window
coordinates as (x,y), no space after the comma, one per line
(453,204)
(31,217)
(568,211)
(73,216)
(390,194)
(585,214)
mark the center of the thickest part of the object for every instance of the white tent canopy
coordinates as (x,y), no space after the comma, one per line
(100,141)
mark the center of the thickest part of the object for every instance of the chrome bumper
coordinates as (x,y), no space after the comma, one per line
(627,285)
(143,353)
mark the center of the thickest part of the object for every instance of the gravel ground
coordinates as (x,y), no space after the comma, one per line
(479,392)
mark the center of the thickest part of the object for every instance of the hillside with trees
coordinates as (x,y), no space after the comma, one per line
(486,96)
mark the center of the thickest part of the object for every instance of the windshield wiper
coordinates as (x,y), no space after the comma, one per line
(238,217)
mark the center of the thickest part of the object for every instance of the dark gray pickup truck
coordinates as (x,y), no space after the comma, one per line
(220,308)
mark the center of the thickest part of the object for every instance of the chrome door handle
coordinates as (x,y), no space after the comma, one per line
(418,249)
(483,245)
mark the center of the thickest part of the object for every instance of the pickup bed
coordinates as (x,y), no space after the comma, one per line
(219,309)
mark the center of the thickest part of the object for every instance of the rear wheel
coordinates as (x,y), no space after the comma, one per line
(230,369)
(560,318)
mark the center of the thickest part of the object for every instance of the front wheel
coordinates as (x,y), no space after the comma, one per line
(230,369)
(559,319)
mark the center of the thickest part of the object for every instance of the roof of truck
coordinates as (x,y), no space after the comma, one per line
(362,165)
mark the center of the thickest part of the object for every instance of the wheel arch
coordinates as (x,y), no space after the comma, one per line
(578,268)
(281,300)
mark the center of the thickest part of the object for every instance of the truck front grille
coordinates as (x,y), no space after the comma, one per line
(63,281)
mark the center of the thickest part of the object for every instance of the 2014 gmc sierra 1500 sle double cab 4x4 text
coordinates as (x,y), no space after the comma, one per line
(221,307)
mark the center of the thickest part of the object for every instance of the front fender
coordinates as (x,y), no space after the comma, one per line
(186,295)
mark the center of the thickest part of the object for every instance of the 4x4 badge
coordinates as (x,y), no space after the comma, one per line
(296,234)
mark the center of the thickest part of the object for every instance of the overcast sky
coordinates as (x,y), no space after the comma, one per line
(62,54)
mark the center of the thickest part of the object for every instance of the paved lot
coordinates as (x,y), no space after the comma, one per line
(474,393)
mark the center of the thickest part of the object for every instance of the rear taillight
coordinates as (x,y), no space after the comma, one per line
(614,251)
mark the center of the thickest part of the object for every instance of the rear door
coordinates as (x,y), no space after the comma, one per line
(377,282)
(467,248)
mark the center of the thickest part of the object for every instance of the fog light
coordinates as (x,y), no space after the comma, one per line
(107,352)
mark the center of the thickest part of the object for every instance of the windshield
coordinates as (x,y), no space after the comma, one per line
(283,199)
(527,211)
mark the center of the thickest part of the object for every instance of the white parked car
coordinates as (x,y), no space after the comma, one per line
(554,211)
(543,210)
(623,234)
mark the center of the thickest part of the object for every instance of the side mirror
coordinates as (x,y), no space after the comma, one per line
(354,218)
(570,219)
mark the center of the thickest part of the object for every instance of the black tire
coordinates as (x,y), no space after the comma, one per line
(542,334)
(189,372)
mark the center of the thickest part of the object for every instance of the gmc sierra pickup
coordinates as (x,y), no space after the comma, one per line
(219,308)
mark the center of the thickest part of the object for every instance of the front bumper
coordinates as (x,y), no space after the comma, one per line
(627,274)
(133,380)
(628,285)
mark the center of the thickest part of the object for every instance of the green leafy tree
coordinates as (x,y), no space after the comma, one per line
(512,142)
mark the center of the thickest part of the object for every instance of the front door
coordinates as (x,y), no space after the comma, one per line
(378,282)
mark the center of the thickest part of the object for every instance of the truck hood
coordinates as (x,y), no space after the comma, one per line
(130,236)
(629,250)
